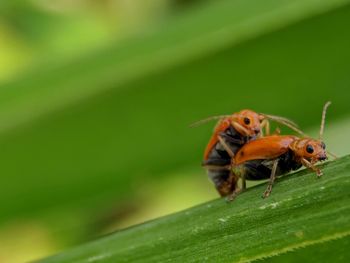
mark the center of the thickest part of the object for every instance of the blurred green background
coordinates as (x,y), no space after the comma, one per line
(96,97)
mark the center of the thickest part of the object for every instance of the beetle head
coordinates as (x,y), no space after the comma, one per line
(310,149)
(247,123)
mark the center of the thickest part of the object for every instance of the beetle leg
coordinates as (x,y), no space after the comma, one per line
(265,124)
(225,181)
(244,184)
(240,128)
(232,196)
(311,166)
(277,131)
(272,179)
(228,138)
(226,147)
(236,189)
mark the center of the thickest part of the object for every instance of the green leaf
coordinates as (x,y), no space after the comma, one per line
(303,210)
(80,134)
(335,251)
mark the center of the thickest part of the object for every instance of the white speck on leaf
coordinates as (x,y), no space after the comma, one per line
(299,234)
(222,220)
(272,206)
(98,257)
(196,229)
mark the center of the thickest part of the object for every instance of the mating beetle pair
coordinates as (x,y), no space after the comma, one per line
(241,147)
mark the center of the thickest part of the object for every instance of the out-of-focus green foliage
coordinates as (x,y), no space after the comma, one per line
(35,31)
(106,91)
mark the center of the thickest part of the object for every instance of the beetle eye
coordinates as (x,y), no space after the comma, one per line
(246,121)
(309,149)
(323,145)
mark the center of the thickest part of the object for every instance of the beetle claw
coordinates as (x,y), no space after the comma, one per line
(233,196)
(266,194)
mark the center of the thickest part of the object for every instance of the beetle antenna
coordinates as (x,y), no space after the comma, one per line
(323,119)
(332,154)
(279,118)
(286,122)
(200,122)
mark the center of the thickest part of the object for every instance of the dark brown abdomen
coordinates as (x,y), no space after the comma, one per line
(261,169)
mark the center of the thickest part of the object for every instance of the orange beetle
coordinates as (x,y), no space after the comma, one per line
(275,155)
(231,133)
